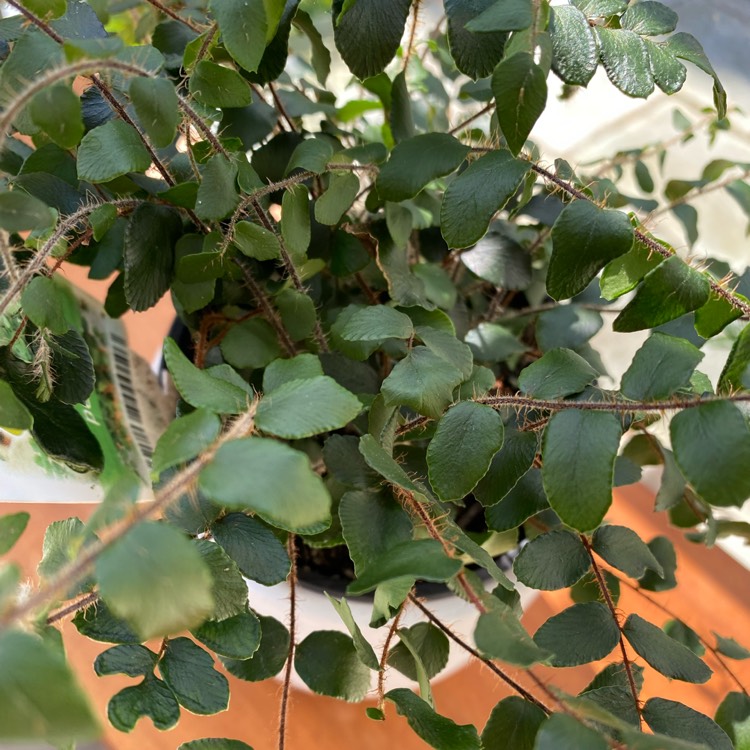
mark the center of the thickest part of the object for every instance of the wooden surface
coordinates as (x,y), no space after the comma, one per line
(715,599)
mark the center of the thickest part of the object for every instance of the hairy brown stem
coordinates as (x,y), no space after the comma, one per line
(461,125)
(384,656)
(71,609)
(611,606)
(412,34)
(525,694)
(167,11)
(280,108)
(292,578)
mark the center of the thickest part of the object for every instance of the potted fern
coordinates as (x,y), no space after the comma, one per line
(388,374)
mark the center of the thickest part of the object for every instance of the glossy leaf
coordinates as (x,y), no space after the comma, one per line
(185,438)
(624,57)
(663,653)
(111,150)
(459,455)
(663,365)
(667,292)
(558,373)
(711,443)
(270,656)
(284,489)
(623,549)
(574,49)
(520,89)
(477,194)
(328,663)
(156,580)
(584,239)
(578,456)
(436,730)
(532,564)
(418,161)
(578,635)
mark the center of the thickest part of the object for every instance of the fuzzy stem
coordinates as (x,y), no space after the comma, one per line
(611,606)
(181,483)
(71,609)
(384,656)
(292,551)
(167,11)
(280,108)
(525,694)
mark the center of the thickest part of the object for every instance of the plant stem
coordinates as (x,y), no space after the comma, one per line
(169,12)
(280,108)
(71,609)
(384,656)
(292,578)
(525,694)
(611,606)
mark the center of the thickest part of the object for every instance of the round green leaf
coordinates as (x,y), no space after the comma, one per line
(13,413)
(514,722)
(217,195)
(236,637)
(338,197)
(563,732)
(156,105)
(250,344)
(624,57)
(271,479)
(496,258)
(377,323)
(476,195)
(218,86)
(500,635)
(578,458)
(156,580)
(476,51)
(256,241)
(678,720)
(328,663)
(532,566)
(301,408)
(189,672)
(580,634)
(57,111)
(150,698)
(20,211)
(432,646)
(129,659)
(459,455)
(270,656)
(623,549)
(584,239)
(558,373)
(229,587)
(524,500)
(649,18)
(185,438)
(663,653)
(711,443)
(574,52)
(669,72)
(111,150)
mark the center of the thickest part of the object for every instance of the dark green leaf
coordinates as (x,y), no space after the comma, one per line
(185,438)
(256,241)
(280,371)
(649,18)
(229,588)
(367,33)
(431,645)
(563,732)
(301,408)
(574,51)
(99,624)
(669,73)
(681,633)
(130,659)
(214,744)
(416,162)
(189,672)
(733,716)
(63,542)
(253,546)
(328,663)
(508,466)
(423,559)
(467,437)
(520,88)
(532,566)
(663,653)
(436,730)
(252,343)
(155,579)
(342,190)
(623,274)
(362,646)
(566,326)
(150,237)
(236,637)
(678,720)
(13,414)
(500,635)
(589,590)
(247,26)
(111,150)
(297,312)
(57,111)
(663,551)
(515,15)
(736,373)
(558,373)
(624,57)
(150,698)
(268,659)
(384,464)
(498,259)
(217,193)
(218,86)
(377,323)
(12,525)
(523,501)
(401,119)
(514,722)
(715,316)
(20,211)
(272,479)
(663,365)
(729,647)
(623,549)
(45,304)
(321,57)
(578,455)
(423,381)
(156,105)
(476,54)
(39,697)
(578,635)
(687,47)
(201,390)
(448,348)
(584,239)
(711,443)
(475,196)
(295,220)
(72,366)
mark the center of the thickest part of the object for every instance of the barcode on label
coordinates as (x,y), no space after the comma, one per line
(124,381)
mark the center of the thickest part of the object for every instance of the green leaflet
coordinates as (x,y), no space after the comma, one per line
(625,58)
(57,111)
(574,51)
(500,635)
(477,194)
(513,722)
(584,239)
(532,564)
(156,105)
(558,373)
(217,193)
(519,86)
(476,51)
(218,86)
(578,454)
(111,150)
(20,211)
(185,438)
(12,525)
(678,720)
(623,549)
(361,644)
